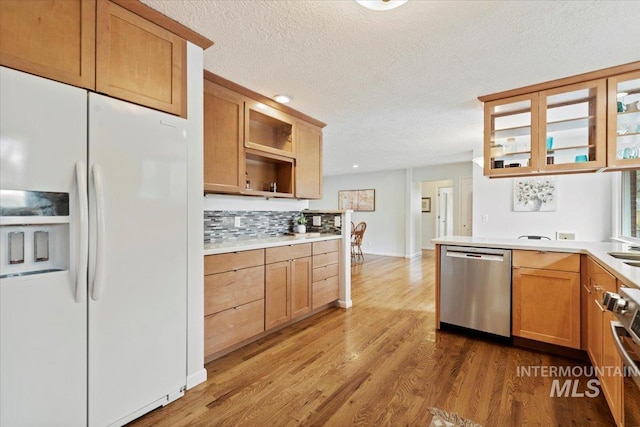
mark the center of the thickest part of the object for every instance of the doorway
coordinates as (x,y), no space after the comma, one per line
(444,218)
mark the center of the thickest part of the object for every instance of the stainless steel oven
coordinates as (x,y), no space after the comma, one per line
(626,336)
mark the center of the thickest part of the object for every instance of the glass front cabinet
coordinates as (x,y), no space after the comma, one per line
(553,131)
(511,136)
(624,121)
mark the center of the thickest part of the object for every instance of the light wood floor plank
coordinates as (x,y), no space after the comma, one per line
(380,363)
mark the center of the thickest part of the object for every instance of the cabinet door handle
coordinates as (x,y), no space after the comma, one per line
(598,288)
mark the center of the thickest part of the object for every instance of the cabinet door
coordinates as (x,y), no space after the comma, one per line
(573,127)
(594,340)
(139,61)
(224,169)
(268,130)
(277,291)
(511,136)
(308,181)
(624,121)
(611,381)
(50,38)
(229,327)
(546,306)
(300,286)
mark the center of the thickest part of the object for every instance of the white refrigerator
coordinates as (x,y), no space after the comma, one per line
(93,302)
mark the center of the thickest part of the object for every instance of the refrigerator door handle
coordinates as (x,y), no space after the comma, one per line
(98,279)
(83,247)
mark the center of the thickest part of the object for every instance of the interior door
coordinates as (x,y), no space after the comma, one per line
(138,259)
(43,332)
(445,211)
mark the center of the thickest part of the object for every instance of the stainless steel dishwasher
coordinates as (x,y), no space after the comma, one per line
(475,288)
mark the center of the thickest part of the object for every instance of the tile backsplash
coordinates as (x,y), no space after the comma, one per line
(221,226)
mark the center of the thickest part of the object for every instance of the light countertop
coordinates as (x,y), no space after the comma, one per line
(597,250)
(270,242)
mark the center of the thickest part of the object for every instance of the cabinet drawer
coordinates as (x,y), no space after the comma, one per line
(547,260)
(325,259)
(285,253)
(600,277)
(325,291)
(229,327)
(233,261)
(324,272)
(326,246)
(232,288)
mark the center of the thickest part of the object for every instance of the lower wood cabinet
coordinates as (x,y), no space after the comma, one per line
(233,298)
(287,283)
(229,327)
(325,272)
(249,292)
(600,345)
(546,297)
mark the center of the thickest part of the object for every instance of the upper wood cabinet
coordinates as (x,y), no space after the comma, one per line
(308,161)
(268,130)
(139,61)
(556,130)
(624,121)
(224,166)
(253,148)
(50,38)
(122,48)
(589,122)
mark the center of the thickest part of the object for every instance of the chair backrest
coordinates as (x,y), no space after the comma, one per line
(534,237)
(358,232)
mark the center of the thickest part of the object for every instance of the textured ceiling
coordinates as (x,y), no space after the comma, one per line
(398,89)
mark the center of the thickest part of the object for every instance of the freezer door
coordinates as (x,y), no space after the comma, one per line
(43,335)
(138,259)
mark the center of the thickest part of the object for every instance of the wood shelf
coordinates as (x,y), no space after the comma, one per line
(511,132)
(570,124)
(575,147)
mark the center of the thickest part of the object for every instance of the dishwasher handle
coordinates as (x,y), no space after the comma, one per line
(475,256)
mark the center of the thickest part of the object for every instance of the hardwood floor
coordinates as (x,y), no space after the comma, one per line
(381,363)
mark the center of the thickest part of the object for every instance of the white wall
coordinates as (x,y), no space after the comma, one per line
(584,208)
(221,202)
(430,189)
(385,233)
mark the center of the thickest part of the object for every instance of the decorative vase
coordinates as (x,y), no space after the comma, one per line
(301,228)
(534,205)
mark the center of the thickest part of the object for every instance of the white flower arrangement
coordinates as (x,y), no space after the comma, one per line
(535,194)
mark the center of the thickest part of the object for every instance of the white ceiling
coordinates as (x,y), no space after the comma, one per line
(398,89)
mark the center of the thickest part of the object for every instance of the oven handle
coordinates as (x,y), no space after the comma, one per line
(627,360)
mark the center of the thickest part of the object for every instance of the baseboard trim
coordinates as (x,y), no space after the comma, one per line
(197,378)
(384,254)
(345,304)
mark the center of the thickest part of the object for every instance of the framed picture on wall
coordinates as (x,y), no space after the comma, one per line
(426,204)
(357,200)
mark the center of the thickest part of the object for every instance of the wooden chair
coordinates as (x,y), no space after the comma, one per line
(356,240)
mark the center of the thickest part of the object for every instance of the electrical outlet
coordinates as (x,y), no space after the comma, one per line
(485,217)
(317,220)
(236,222)
(565,236)
(336,221)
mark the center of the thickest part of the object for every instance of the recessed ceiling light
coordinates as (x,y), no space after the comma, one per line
(355,166)
(621,94)
(282,99)
(381,4)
